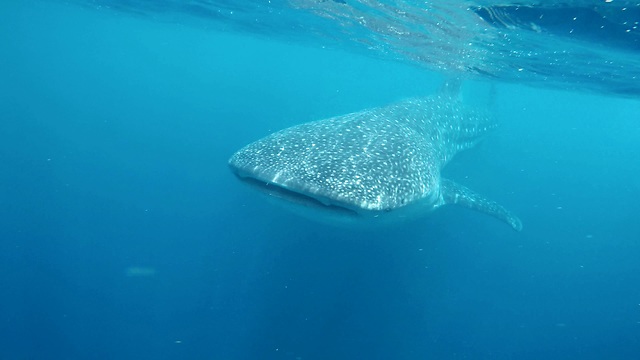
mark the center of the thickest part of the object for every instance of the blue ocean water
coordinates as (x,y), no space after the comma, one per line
(124,235)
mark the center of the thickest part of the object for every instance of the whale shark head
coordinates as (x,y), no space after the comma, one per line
(365,165)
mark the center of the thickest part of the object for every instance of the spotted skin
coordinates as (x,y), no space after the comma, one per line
(374,161)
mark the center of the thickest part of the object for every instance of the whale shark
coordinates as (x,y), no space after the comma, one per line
(375,166)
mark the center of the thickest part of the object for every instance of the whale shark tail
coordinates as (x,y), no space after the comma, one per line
(454,193)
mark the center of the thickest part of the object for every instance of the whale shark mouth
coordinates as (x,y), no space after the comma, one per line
(288,195)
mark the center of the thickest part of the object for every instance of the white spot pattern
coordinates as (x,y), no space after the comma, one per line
(376,159)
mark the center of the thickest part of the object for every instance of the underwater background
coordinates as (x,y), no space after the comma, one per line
(123,234)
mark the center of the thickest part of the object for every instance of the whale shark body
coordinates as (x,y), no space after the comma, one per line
(378,165)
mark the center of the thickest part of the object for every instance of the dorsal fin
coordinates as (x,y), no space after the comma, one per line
(454,193)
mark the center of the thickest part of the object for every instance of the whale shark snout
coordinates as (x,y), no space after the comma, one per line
(301,200)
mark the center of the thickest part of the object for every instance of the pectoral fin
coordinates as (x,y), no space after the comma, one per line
(454,193)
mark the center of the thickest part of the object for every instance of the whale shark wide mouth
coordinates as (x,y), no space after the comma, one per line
(308,200)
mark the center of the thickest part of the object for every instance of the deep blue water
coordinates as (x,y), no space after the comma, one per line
(123,235)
